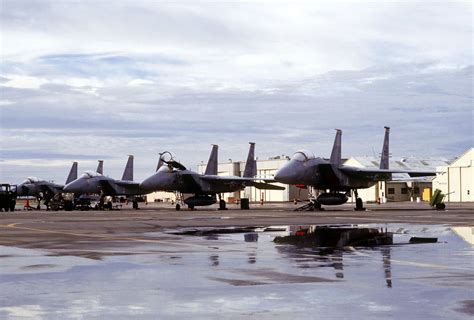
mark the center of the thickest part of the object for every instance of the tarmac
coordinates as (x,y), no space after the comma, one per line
(147,264)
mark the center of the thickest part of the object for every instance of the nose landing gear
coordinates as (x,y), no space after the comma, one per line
(359,204)
(222,204)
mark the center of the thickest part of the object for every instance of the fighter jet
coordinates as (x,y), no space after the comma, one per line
(305,169)
(42,189)
(96,183)
(174,177)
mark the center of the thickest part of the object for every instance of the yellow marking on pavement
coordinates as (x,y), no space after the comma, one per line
(12,224)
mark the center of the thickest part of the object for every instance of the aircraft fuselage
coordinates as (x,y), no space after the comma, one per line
(186,181)
(103,185)
(318,173)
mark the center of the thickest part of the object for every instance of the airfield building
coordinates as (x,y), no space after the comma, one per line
(456,180)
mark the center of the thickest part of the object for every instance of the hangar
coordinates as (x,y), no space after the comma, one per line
(455,180)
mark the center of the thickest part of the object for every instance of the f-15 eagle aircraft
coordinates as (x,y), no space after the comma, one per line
(96,183)
(174,177)
(305,169)
(42,189)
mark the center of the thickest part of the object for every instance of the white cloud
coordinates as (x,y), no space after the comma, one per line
(24,311)
(139,82)
(6,102)
(96,79)
(24,82)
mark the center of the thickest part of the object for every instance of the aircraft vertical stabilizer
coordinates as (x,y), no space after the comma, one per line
(336,150)
(100,167)
(72,173)
(336,160)
(128,172)
(211,168)
(385,150)
(250,170)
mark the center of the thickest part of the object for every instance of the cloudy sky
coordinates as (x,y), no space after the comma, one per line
(88,80)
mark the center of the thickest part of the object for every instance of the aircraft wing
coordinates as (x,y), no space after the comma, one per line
(243,181)
(233,178)
(128,187)
(266,186)
(382,173)
(125,183)
(107,187)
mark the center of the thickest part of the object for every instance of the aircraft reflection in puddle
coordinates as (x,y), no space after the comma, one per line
(338,241)
(327,245)
(307,258)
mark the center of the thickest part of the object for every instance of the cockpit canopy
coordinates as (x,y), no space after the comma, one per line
(88,175)
(303,155)
(30,180)
(165,168)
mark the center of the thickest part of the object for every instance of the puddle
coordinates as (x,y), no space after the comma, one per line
(242,272)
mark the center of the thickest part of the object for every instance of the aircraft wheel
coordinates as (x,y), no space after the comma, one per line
(222,205)
(68,206)
(135,204)
(359,205)
(190,206)
(317,205)
(178,207)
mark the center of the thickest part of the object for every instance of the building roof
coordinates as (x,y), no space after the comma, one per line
(466,158)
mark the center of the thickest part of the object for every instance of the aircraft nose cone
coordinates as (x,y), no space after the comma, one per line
(67,188)
(22,190)
(72,187)
(158,181)
(284,174)
(148,183)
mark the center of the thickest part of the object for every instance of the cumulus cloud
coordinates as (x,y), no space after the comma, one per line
(81,81)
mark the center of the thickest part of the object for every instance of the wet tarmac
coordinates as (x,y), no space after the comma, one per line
(208,273)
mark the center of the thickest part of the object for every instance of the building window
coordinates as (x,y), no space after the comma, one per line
(404,190)
(391,191)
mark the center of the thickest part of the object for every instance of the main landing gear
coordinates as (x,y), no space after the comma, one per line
(359,204)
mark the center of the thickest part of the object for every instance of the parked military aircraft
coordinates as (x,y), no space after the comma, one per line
(305,169)
(96,183)
(174,177)
(42,189)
